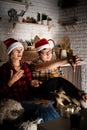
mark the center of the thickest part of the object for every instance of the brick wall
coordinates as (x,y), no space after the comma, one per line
(77,33)
(26,31)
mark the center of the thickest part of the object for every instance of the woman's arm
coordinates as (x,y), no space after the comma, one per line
(49,65)
(37,66)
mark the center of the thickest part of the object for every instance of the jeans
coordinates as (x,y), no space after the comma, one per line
(33,111)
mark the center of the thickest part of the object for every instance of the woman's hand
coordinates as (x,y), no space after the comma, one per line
(15,77)
(36,83)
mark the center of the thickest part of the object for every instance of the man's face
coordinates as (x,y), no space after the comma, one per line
(46,54)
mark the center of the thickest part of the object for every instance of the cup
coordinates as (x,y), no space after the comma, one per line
(19,18)
(44,22)
(75,121)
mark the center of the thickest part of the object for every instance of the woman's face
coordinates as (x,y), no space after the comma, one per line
(17,53)
(46,54)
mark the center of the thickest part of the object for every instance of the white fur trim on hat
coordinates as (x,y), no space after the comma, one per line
(43,47)
(13,46)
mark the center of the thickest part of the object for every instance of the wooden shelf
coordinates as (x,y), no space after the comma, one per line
(29,25)
(13,1)
(26,23)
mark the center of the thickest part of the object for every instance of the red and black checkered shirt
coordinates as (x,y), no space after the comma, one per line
(20,89)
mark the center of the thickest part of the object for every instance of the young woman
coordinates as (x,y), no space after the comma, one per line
(16,83)
(45,69)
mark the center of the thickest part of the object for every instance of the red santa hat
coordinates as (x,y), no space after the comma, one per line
(42,44)
(12,44)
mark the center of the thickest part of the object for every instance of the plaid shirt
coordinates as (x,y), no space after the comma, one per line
(45,74)
(57,72)
(19,90)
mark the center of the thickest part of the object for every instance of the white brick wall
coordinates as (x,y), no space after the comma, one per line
(25,31)
(77,33)
(29,31)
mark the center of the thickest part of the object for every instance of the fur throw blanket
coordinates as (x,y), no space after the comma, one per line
(10,110)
